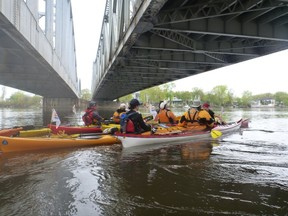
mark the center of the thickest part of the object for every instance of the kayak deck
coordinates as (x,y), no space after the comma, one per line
(74,129)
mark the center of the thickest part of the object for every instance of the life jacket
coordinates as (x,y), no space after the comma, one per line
(126,124)
(164,118)
(198,118)
(88,117)
(117,115)
(192,116)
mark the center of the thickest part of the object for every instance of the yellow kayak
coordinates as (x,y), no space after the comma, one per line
(111,125)
(18,144)
(35,132)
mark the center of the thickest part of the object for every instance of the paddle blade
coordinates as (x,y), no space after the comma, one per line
(215,134)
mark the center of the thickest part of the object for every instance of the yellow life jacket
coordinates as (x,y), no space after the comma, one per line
(198,119)
(117,116)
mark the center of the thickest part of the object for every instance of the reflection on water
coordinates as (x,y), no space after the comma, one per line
(239,175)
(196,151)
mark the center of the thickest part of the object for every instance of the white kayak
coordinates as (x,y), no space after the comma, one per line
(133,140)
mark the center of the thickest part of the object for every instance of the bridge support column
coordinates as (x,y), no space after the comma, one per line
(60,104)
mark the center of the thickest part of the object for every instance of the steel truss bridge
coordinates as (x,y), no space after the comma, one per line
(152,42)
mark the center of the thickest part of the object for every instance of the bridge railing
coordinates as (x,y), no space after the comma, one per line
(55,36)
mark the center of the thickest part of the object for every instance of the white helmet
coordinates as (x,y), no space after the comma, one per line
(122,106)
(163,104)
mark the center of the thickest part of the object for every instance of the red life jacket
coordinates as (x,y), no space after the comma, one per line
(88,117)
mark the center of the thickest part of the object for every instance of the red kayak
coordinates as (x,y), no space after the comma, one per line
(74,129)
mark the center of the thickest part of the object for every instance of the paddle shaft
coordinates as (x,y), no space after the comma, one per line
(26,127)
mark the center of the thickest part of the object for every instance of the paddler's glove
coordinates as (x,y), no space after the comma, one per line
(153,130)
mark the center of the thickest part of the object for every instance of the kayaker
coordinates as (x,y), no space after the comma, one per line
(158,108)
(196,118)
(135,122)
(91,116)
(217,119)
(153,111)
(165,115)
(117,114)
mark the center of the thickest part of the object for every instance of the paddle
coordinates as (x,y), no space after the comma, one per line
(148,118)
(111,131)
(26,127)
(267,131)
(215,134)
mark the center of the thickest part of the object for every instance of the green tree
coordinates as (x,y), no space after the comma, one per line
(197,92)
(18,99)
(184,95)
(264,95)
(21,100)
(85,94)
(281,98)
(36,100)
(246,98)
(168,91)
(222,96)
(126,99)
(152,95)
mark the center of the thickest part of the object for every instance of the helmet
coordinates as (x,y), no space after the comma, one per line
(92,104)
(122,106)
(196,102)
(163,104)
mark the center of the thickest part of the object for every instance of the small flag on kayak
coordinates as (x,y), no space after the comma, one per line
(55,118)
(74,109)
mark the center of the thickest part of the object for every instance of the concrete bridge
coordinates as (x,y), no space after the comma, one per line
(151,42)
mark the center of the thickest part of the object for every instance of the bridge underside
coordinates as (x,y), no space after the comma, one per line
(23,67)
(190,37)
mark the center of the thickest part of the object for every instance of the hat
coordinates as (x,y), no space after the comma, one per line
(163,105)
(122,106)
(134,102)
(196,103)
(206,105)
(92,103)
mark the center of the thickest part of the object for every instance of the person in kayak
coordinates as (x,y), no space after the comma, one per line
(91,116)
(153,111)
(217,119)
(196,118)
(165,115)
(133,121)
(117,114)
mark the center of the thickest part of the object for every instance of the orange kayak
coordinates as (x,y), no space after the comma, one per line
(10,131)
(19,144)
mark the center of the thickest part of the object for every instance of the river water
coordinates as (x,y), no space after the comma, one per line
(243,174)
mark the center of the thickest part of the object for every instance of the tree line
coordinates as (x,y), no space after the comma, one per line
(21,100)
(219,96)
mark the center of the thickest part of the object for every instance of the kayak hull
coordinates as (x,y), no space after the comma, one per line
(74,129)
(18,144)
(134,140)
